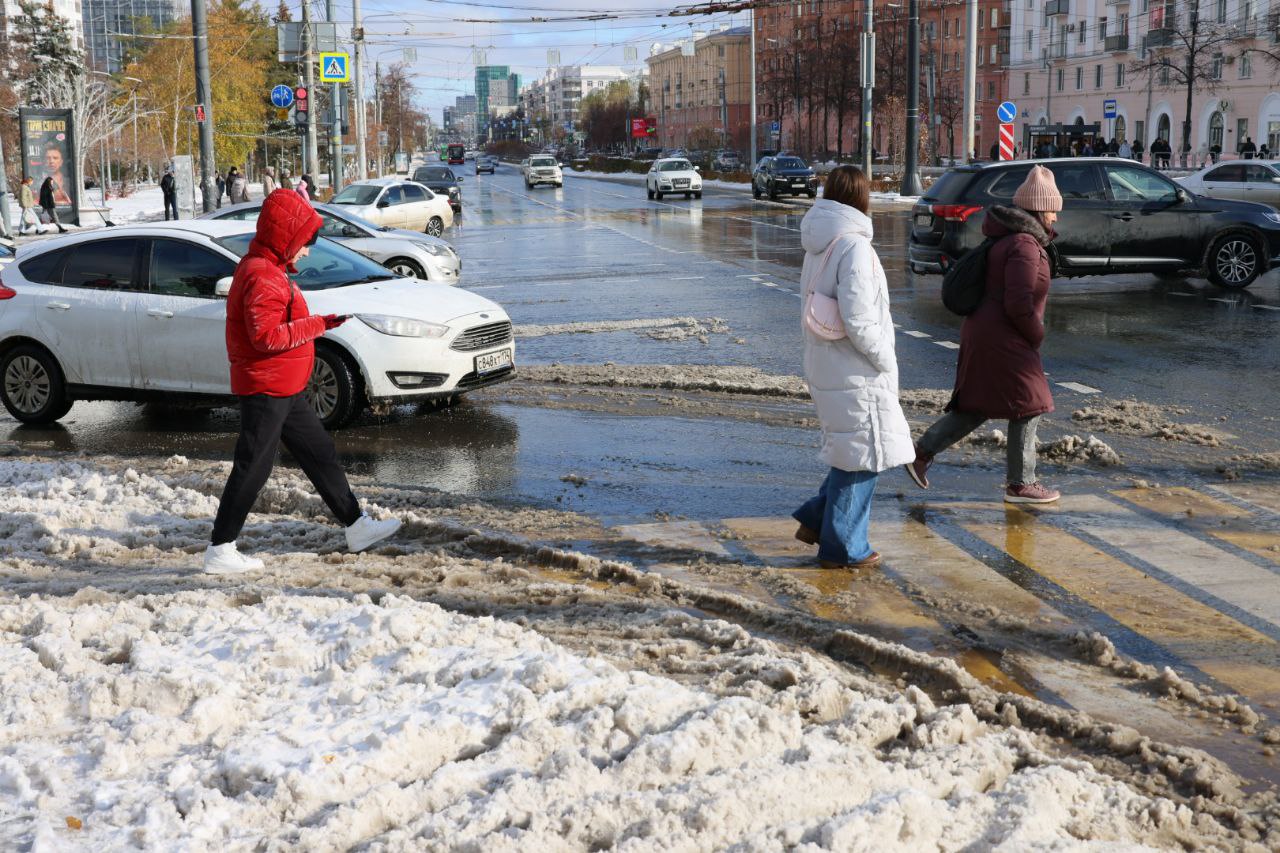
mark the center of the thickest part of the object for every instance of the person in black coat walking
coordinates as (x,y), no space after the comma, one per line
(221,183)
(47,203)
(169,189)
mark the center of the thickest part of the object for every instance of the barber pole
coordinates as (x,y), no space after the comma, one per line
(1006,141)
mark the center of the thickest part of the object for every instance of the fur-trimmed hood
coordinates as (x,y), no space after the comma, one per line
(1002,221)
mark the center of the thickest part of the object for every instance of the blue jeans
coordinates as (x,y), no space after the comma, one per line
(841,513)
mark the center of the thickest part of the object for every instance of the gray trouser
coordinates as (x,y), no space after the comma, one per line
(1021,452)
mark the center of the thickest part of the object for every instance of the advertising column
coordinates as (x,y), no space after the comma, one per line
(49,151)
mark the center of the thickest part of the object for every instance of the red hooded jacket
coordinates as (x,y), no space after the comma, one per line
(269,341)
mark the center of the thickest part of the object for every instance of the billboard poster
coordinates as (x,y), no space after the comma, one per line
(49,151)
(639,128)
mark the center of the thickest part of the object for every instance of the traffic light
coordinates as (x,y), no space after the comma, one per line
(300,108)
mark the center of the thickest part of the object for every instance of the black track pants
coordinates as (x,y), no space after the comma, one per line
(264,423)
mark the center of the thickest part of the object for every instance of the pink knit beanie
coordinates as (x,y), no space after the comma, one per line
(1038,192)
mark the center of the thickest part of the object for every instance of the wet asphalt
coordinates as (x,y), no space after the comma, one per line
(599,250)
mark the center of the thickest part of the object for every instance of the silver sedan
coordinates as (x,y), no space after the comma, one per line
(409,253)
(1247,180)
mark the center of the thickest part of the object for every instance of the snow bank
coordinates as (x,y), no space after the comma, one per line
(321,723)
(256,717)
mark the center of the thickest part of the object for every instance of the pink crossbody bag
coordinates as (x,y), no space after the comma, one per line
(822,313)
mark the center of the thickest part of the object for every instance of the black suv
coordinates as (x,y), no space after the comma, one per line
(1117,216)
(783,174)
(442,180)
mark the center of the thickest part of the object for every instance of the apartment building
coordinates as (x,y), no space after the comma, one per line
(702,83)
(108,24)
(808,68)
(555,99)
(1068,58)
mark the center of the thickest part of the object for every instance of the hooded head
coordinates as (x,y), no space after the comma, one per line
(286,224)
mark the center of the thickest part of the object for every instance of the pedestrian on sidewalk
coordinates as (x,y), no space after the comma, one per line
(237,187)
(27,204)
(852,370)
(999,374)
(47,203)
(220,184)
(270,336)
(269,184)
(169,189)
(306,187)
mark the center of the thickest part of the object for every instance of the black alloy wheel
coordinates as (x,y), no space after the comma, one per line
(1234,260)
(334,388)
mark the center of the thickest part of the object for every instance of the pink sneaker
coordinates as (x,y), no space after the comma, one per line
(1031,493)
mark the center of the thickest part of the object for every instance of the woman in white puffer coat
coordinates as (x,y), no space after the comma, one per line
(853,380)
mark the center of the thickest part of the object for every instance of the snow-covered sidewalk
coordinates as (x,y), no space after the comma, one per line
(147,706)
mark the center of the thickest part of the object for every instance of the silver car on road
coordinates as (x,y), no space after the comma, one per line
(409,253)
(1247,180)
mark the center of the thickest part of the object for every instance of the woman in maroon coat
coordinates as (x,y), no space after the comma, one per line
(999,374)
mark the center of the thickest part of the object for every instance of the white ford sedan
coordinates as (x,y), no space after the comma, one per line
(673,175)
(398,203)
(138,313)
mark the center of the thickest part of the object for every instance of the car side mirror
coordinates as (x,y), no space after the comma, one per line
(1183,196)
(384,203)
(459,179)
(697,168)
(222,287)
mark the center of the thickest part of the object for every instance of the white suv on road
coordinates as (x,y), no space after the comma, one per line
(541,169)
(138,313)
(673,175)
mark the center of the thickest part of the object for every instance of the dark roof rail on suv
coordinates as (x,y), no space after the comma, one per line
(1118,216)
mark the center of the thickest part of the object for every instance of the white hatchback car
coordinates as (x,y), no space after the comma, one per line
(398,203)
(673,175)
(138,313)
(541,169)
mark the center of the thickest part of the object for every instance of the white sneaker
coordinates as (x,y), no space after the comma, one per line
(226,560)
(366,532)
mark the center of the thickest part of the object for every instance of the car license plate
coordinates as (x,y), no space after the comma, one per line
(924,220)
(492,361)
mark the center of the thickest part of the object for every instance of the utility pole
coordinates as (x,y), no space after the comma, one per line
(200,38)
(868,83)
(910,175)
(970,73)
(357,36)
(311,159)
(335,114)
(752,165)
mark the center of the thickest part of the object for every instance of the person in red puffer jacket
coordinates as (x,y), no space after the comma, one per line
(270,343)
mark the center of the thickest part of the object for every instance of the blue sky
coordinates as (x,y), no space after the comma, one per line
(445,34)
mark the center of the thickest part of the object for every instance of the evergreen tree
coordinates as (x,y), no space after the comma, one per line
(43,48)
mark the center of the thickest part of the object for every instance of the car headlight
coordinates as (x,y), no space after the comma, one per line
(1273,217)
(430,248)
(403,327)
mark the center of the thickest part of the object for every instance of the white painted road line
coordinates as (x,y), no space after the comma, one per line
(689,278)
(916,334)
(1224,301)
(948,344)
(1078,388)
(1268,307)
(1179,293)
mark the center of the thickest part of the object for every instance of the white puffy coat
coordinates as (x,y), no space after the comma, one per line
(853,380)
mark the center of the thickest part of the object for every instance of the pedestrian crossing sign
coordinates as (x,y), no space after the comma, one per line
(335,68)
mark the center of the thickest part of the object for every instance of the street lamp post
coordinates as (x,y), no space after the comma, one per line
(752,164)
(868,83)
(910,174)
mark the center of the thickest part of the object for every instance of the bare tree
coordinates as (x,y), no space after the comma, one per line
(1187,52)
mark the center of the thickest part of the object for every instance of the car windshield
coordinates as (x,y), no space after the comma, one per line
(360,221)
(789,163)
(327,265)
(675,166)
(542,161)
(434,175)
(357,194)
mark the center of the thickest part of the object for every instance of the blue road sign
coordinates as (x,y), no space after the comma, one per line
(282,96)
(1109,108)
(776,126)
(1007,112)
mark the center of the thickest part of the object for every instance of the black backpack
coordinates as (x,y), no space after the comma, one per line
(964,281)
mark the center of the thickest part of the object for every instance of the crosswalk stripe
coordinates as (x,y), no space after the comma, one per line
(1261,495)
(1209,517)
(1217,645)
